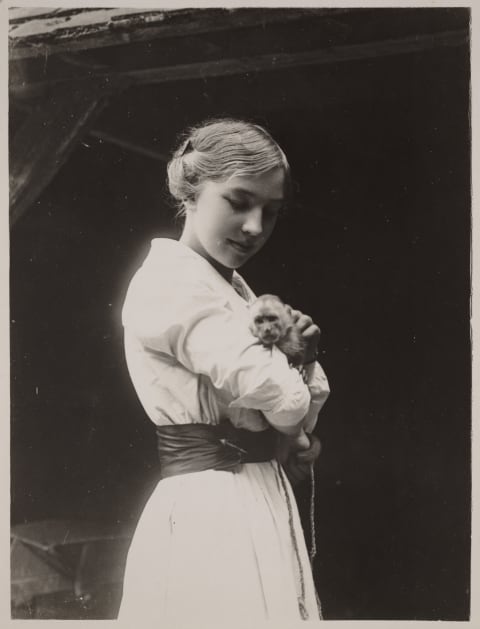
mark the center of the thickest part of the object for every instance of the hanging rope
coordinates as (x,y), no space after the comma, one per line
(313,536)
(313,545)
(313,549)
(301,599)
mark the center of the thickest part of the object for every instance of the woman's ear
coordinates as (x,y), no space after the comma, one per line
(188,204)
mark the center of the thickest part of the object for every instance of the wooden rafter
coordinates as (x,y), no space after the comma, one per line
(109,138)
(56,32)
(128,145)
(277,61)
(43,143)
(265,62)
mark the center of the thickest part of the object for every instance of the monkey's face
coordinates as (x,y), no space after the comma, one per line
(268,326)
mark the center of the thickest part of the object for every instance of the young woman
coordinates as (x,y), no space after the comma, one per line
(220,538)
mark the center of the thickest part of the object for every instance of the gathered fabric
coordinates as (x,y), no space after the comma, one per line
(187,448)
(216,546)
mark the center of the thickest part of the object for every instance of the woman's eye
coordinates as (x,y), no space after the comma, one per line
(237,204)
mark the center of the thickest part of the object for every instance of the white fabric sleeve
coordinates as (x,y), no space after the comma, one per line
(199,329)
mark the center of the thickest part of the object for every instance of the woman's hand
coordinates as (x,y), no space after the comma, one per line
(310,333)
(310,454)
(300,443)
(297,465)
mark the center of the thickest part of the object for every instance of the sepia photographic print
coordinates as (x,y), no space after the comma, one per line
(182,453)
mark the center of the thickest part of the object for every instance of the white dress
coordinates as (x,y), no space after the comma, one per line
(213,546)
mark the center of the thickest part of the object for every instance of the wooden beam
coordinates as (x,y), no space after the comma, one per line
(38,19)
(92,29)
(268,62)
(128,145)
(43,143)
(115,140)
(278,61)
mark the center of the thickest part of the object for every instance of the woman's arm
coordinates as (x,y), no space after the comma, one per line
(314,376)
(197,326)
(299,454)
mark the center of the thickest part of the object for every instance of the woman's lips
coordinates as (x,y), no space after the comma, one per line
(242,247)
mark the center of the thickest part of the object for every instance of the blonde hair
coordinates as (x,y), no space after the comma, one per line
(219,149)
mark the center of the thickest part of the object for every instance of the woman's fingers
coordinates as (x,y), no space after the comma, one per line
(312,331)
(312,453)
(303,322)
(296,471)
(295,314)
(311,336)
(298,463)
(309,331)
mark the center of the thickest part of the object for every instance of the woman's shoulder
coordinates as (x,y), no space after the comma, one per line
(170,262)
(172,285)
(167,251)
(173,272)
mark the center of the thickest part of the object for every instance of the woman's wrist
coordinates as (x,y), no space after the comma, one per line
(311,358)
(306,369)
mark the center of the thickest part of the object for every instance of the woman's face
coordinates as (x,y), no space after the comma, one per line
(231,220)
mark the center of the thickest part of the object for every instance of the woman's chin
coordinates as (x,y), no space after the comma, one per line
(234,261)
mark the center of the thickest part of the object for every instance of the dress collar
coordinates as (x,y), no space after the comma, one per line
(182,251)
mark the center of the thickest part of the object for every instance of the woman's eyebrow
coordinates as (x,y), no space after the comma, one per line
(249,193)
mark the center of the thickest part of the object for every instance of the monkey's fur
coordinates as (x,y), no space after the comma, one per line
(272,324)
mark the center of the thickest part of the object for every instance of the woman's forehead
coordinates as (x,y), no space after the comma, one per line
(270,184)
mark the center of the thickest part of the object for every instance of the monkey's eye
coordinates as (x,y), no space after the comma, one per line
(258,320)
(272,318)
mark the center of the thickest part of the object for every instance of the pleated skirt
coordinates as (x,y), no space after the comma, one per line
(218,547)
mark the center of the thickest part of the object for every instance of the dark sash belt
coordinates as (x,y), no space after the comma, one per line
(185,448)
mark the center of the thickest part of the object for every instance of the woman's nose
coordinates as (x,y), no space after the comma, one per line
(253,222)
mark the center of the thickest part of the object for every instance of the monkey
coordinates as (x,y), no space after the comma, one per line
(272,324)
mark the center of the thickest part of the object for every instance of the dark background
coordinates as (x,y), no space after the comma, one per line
(376,247)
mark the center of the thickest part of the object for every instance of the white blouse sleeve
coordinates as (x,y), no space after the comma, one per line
(198,328)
